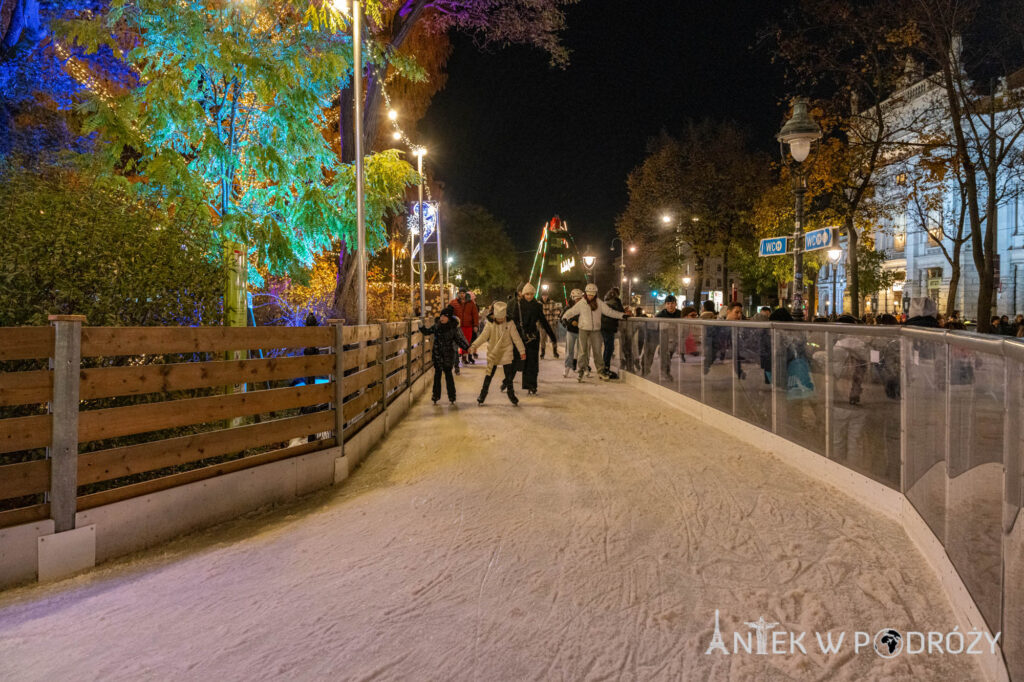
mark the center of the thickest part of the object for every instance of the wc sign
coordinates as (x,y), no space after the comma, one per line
(820,239)
(774,246)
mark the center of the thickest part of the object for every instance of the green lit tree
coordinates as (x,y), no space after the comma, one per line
(230,111)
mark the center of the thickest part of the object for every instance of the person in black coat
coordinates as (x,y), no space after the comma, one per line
(528,315)
(610,328)
(447,335)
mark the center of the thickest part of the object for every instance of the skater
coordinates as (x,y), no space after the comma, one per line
(501,338)
(469,316)
(610,329)
(590,309)
(664,337)
(528,316)
(572,335)
(552,313)
(447,335)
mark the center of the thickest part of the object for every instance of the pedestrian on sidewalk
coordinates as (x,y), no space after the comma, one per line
(610,328)
(469,317)
(447,335)
(572,334)
(528,316)
(664,336)
(552,311)
(501,338)
(590,309)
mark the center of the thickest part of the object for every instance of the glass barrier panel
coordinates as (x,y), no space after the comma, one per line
(690,344)
(718,366)
(753,354)
(800,387)
(1013,518)
(924,458)
(974,469)
(865,423)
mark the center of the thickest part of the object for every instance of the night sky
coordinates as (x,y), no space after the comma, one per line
(528,141)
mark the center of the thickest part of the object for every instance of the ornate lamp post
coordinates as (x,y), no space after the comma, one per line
(834,255)
(686,288)
(800,133)
(589,260)
(420,152)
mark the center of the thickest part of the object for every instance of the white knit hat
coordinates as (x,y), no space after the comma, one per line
(576,294)
(591,289)
(499,310)
(529,289)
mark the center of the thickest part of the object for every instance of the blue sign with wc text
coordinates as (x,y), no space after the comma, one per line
(775,246)
(820,239)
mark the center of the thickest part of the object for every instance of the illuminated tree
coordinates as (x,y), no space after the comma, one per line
(230,111)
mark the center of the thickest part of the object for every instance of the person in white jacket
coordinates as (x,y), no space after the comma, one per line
(501,337)
(589,310)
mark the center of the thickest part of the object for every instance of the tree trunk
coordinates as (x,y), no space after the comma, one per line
(954,281)
(852,266)
(699,267)
(986,273)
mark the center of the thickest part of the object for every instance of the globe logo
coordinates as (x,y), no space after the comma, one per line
(888,643)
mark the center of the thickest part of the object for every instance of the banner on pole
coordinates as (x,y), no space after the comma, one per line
(429,223)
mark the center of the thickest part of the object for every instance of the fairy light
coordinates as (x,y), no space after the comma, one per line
(80,72)
(399,134)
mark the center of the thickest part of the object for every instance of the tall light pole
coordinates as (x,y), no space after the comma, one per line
(357,90)
(420,152)
(834,255)
(800,132)
(622,255)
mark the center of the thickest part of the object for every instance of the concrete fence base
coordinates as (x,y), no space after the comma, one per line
(34,551)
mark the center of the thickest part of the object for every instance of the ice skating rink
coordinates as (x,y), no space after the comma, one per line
(589,534)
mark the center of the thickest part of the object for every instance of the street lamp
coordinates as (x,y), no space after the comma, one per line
(800,132)
(589,260)
(834,255)
(622,255)
(420,152)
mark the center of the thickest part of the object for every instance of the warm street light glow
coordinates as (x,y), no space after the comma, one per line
(695,219)
(835,254)
(666,219)
(799,132)
(396,135)
(625,279)
(450,260)
(635,280)
(420,151)
(632,249)
(341,6)
(686,281)
(392,115)
(589,260)
(543,287)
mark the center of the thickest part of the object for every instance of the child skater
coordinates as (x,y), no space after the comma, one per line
(501,337)
(447,336)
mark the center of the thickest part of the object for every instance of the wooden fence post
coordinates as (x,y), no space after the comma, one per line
(66,363)
(383,371)
(408,355)
(339,371)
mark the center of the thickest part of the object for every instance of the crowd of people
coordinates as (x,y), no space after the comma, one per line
(519,332)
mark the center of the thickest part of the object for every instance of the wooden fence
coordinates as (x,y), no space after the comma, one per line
(94,415)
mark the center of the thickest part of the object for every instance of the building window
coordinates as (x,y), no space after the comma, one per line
(934,228)
(901,179)
(899,237)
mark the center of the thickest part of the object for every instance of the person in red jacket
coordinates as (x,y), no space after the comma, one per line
(469,317)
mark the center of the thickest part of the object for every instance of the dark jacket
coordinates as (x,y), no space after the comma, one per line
(527,315)
(446,338)
(678,314)
(611,324)
(923,321)
(572,325)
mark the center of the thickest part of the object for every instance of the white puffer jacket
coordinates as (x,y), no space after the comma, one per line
(590,320)
(500,338)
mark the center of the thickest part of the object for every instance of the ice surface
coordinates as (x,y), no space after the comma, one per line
(588,534)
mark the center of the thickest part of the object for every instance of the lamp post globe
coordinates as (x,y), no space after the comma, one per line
(799,133)
(834,255)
